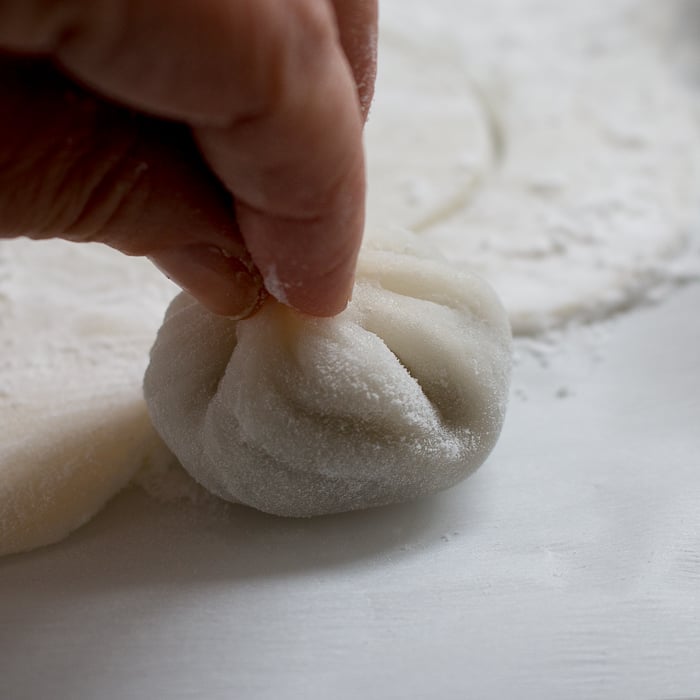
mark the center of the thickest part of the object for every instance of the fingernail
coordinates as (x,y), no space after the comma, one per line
(227,285)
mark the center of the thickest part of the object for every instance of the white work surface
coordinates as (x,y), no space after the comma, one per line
(567,567)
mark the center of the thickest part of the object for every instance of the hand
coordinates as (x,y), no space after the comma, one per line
(145,124)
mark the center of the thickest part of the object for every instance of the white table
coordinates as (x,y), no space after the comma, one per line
(568,567)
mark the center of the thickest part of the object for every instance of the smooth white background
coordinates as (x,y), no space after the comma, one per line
(567,567)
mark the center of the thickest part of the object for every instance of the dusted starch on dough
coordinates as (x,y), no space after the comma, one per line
(401,395)
(553,147)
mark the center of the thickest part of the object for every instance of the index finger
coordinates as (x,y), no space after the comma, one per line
(297,173)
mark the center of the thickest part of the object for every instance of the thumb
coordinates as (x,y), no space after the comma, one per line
(76,167)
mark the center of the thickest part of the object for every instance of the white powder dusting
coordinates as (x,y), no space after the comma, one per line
(274,285)
(553,146)
(580,138)
(401,395)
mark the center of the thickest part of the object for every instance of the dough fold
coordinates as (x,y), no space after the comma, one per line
(401,395)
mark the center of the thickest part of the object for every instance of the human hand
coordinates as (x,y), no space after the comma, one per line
(144,124)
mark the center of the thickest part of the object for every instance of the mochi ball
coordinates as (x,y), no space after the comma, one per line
(401,395)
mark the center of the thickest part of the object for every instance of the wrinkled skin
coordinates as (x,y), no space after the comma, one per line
(178,130)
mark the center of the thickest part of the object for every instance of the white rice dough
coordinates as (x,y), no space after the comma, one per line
(567,141)
(401,395)
(552,146)
(75,326)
